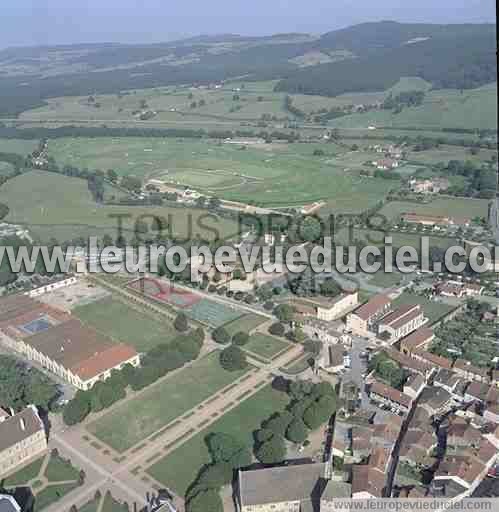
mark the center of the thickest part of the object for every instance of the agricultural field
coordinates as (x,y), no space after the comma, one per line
(19,146)
(6,168)
(453,207)
(124,324)
(133,421)
(434,311)
(475,108)
(265,346)
(179,469)
(244,324)
(277,174)
(62,207)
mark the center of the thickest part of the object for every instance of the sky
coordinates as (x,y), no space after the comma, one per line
(40,22)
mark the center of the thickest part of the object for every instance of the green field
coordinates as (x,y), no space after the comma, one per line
(454,207)
(244,324)
(6,168)
(25,474)
(265,346)
(133,421)
(19,146)
(124,324)
(179,469)
(277,174)
(475,108)
(433,310)
(53,205)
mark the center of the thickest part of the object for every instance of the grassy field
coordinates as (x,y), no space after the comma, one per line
(6,168)
(266,174)
(445,153)
(133,421)
(244,324)
(179,469)
(454,207)
(475,108)
(433,310)
(265,346)
(51,494)
(25,474)
(20,146)
(124,324)
(386,279)
(57,206)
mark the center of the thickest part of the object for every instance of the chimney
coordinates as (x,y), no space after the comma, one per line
(22,423)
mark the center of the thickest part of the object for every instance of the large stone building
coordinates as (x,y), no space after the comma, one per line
(22,437)
(362,321)
(402,321)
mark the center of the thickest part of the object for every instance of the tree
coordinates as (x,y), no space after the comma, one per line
(277,329)
(278,423)
(297,431)
(330,288)
(205,501)
(271,451)
(284,312)
(240,338)
(181,324)
(77,409)
(220,335)
(225,448)
(233,358)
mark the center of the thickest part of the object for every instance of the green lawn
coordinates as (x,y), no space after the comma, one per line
(124,324)
(25,474)
(19,146)
(59,470)
(265,346)
(111,505)
(433,310)
(91,506)
(62,207)
(386,279)
(52,494)
(179,469)
(131,422)
(245,324)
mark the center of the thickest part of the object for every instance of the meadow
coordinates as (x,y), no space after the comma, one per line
(265,346)
(277,174)
(52,205)
(133,421)
(179,469)
(124,324)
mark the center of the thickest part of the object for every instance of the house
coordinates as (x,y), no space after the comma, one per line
(416,448)
(385,434)
(419,339)
(414,385)
(429,186)
(336,307)
(367,482)
(433,220)
(465,471)
(324,331)
(420,367)
(477,392)
(360,442)
(362,321)
(386,395)
(470,372)
(458,289)
(402,322)
(385,164)
(286,488)
(432,359)
(22,437)
(447,379)
(491,413)
(436,401)
(331,358)
(460,434)
(334,490)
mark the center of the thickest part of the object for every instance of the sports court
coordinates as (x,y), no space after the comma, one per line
(38,325)
(213,314)
(164,291)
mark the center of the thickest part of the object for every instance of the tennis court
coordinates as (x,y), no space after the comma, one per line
(211,313)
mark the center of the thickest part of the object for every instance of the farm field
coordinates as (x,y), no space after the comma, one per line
(244,324)
(475,108)
(257,174)
(179,469)
(454,207)
(63,208)
(446,153)
(6,169)
(19,146)
(265,346)
(132,422)
(433,310)
(124,324)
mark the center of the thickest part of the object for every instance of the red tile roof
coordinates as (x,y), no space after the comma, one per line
(434,359)
(418,338)
(373,307)
(391,393)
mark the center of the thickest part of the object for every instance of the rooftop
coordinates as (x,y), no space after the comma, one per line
(418,338)
(373,307)
(304,482)
(391,393)
(16,428)
(401,316)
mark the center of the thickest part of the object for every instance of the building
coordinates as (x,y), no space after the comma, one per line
(433,220)
(419,339)
(324,331)
(468,371)
(414,385)
(8,503)
(402,322)
(386,395)
(460,434)
(385,164)
(436,401)
(332,358)
(432,359)
(337,307)
(282,489)
(77,354)
(22,437)
(458,289)
(448,380)
(417,447)
(368,482)
(362,321)
(420,367)
(334,490)
(491,413)
(429,186)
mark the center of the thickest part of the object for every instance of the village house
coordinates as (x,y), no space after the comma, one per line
(460,434)
(447,380)
(362,321)
(416,448)
(420,367)
(429,186)
(491,413)
(385,164)
(332,358)
(22,437)
(386,395)
(320,330)
(480,392)
(414,385)
(470,372)
(432,359)
(435,400)
(458,289)
(360,442)
(368,482)
(419,339)
(402,322)
(433,220)
(8,503)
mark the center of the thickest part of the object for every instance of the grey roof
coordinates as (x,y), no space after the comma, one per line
(12,431)
(8,504)
(337,490)
(302,483)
